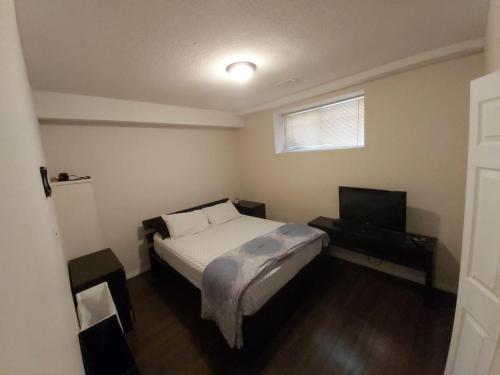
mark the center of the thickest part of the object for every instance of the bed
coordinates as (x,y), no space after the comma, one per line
(190,255)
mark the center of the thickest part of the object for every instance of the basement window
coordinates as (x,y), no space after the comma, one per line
(335,124)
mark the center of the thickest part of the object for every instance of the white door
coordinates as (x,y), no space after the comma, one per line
(476,329)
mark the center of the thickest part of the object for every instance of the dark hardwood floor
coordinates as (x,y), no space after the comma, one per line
(353,320)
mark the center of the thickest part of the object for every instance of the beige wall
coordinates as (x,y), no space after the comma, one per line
(141,172)
(492,50)
(38,325)
(416,140)
(61,106)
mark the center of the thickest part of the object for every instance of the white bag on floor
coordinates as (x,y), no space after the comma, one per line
(94,305)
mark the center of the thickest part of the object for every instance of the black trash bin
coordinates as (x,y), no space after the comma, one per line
(102,342)
(105,351)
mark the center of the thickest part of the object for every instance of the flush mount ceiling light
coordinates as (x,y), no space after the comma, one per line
(241,71)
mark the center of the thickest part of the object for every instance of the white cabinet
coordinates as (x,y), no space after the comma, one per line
(76,210)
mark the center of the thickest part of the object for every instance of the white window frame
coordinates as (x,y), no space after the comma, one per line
(279,122)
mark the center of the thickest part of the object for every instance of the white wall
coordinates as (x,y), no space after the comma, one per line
(38,327)
(140,172)
(416,131)
(492,48)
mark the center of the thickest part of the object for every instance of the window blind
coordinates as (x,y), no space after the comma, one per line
(331,126)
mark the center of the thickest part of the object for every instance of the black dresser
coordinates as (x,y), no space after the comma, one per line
(406,249)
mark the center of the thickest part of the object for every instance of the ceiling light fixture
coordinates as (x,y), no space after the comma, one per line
(241,71)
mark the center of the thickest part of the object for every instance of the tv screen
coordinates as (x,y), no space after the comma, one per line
(381,208)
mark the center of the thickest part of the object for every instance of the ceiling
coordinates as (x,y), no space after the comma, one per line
(175,51)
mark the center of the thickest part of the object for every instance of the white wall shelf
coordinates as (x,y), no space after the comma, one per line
(61,183)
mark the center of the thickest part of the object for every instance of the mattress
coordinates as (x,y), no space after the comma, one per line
(190,255)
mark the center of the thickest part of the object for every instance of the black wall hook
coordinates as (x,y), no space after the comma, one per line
(45,182)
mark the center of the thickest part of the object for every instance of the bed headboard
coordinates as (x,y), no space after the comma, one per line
(156,224)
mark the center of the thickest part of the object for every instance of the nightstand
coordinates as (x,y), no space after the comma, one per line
(96,268)
(251,208)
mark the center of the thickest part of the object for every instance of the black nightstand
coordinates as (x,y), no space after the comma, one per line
(96,268)
(251,208)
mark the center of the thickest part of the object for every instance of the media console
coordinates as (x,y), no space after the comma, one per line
(406,249)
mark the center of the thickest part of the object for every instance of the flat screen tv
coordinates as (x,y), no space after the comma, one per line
(380,208)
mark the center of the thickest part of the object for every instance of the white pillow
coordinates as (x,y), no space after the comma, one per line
(186,223)
(221,213)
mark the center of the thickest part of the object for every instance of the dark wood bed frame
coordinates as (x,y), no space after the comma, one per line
(260,327)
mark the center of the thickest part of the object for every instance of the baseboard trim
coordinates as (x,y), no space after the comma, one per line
(445,288)
(136,272)
(386,267)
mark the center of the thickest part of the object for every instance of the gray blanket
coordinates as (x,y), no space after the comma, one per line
(226,278)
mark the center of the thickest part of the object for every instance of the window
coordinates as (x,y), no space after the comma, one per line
(334,125)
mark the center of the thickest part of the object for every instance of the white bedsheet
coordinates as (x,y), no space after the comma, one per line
(191,254)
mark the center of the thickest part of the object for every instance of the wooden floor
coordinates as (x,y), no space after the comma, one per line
(353,321)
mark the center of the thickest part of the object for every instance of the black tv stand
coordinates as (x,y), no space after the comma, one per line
(406,249)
